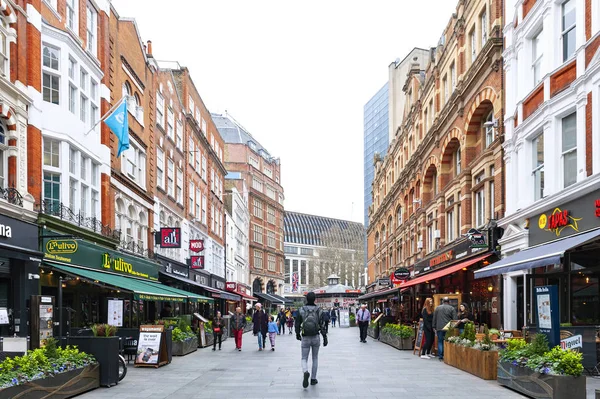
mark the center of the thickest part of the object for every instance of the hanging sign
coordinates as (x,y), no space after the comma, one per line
(477,238)
(196,245)
(170,237)
(197,262)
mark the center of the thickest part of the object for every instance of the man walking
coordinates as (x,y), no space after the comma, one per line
(238,324)
(363,316)
(309,324)
(441,316)
(261,325)
(281,319)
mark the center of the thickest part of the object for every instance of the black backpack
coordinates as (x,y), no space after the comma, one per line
(311,320)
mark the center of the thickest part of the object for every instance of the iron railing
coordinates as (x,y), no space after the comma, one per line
(135,248)
(63,212)
(11,195)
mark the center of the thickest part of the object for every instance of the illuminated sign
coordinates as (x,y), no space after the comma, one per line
(197,262)
(170,237)
(597,204)
(60,247)
(557,221)
(446,256)
(197,245)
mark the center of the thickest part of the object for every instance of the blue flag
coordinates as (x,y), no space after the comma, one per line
(119,124)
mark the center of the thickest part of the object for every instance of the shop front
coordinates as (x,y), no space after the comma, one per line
(244,292)
(19,262)
(450,273)
(564,251)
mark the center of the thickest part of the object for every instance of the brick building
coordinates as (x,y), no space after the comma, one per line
(261,173)
(552,160)
(443,175)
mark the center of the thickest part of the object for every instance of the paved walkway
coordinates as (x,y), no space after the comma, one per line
(347,369)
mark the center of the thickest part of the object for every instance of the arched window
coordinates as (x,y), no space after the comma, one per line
(399,216)
(487,128)
(256,286)
(376,239)
(126,89)
(389,223)
(457,161)
(162,219)
(4,47)
(137,100)
(120,211)
(270,287)
(129,224)
(141,230)
(383,234)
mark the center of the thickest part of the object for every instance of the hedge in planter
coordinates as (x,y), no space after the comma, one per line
(184,341)
(398,336)
(537,371)
(48,372)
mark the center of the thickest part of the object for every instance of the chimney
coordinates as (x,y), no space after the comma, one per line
(149,50)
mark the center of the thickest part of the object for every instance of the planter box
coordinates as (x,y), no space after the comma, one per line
(249,327)
(210,339)
(182,348)
(371,331)
(483,364)
(352,323)
(60,386)
(541,386)
(106,352)
(396,341)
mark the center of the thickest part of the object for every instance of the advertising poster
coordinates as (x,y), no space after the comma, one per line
(544,314)
(3,316)
(344,318)
(148,347)
(547,313)
(115,312)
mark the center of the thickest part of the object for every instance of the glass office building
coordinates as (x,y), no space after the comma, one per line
(376,123)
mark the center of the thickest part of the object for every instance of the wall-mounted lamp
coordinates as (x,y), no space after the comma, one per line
(490,287)
(494,125)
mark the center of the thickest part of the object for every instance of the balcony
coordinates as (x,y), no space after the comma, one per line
(11,195)
(62,212)
(136,248)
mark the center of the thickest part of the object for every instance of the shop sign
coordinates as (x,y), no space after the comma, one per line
(5,231)
(196,245)
(219,284)
(452,253)
(84,254)
(384,282)
(201,279)
(401,274)
(230,286)
(477,238)
(352,291)
(197,262)
(176,270)
(566,219)
(170,237)
(547,313)
(18,233)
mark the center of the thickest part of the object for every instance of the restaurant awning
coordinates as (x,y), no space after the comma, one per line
(286,301)
(375,294)
(216,293)
(246,296)
(541,255)
(142,290)
(269,298)
(442,272)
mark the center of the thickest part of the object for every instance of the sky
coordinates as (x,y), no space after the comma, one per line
(296,75)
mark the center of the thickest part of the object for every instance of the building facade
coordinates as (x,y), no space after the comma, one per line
(236,203)
(262,175)
(316,247)
(552,160)
(443,177)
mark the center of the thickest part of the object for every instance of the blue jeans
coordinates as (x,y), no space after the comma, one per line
(440,336)
(260,339)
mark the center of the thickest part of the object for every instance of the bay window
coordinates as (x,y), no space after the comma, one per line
(537,146)
(568,34)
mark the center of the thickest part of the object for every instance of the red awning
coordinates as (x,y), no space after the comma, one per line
(250,297)
(443,272)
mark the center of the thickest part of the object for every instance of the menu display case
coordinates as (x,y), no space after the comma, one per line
(42,319)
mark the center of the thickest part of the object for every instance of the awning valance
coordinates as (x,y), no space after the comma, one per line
(285,300)
(541,255)
(375,294)
(269,298)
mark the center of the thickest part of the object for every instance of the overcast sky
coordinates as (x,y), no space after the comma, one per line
(296,75)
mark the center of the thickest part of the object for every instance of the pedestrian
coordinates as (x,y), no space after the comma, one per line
(166,311)
(442,315)
(363,316)
(217,330)
(333,317)
(238,325)
(463,316)
(273,332)
(309,324)
(290,323)
(281,319)
(261,322)
(427,314)
(327,318)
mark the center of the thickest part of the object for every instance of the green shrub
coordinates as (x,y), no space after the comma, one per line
(180,335)
(486,338)
(398,330)
(104,330)
(494,331)
(469,332)
(565,361)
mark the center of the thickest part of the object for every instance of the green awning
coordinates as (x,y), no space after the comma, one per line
(193,297)
(142,290)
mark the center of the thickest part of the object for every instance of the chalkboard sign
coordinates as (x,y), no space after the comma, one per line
(420,340)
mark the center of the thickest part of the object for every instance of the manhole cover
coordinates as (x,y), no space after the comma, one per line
(217,370)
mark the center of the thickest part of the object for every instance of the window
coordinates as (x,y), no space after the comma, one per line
(51,152)
(568,29)
(484,28)
(126,90)
(91,29)
(450,221)
(133,163)
(95,174)
(271,193)
(84,161)
(180,186)
(430,238)
(488,129)
(480,208)
(271,214)
(191,105)
(203,167)
(191,152)
(83,79)
(191,189)
(204,209)
(94,204)
(569,149)
(453,76)
(268,172)
(160,110)
(84,200)
(51,88)
(271,239)
(492,193)
(72,194)
(258,234)
(171,178)
(160,168)
(170,123)
(179,134)
(537,55)
(271,264)
(457,161)
(473,41)
(72,160)
(51,57)
(83,109)
(198,203)
(425,120)
(399,216)
(72,67)
(93,115)
(257,184)
(258,209)
(254,162)
(212,180)
(52,189)
(538,167)
(445,85)
(258,259)
(93,90)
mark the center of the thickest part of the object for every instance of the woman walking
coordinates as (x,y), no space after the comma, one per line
(427,315)
(217,330)
(261,322)
(464,316)
(333,317)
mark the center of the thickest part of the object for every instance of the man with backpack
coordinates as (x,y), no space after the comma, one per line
(309,324)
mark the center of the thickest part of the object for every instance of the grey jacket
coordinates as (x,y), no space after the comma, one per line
(442,315)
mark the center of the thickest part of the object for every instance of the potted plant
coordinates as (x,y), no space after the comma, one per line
(494,333)
(540,372)
(104,346)
(398,336)
(249,324)
(184,340)
(64,372)
(465,352)
(352,320)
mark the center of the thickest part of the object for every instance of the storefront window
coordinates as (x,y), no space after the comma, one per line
(585,289)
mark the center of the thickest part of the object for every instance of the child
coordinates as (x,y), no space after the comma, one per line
(273,330)
(290,323)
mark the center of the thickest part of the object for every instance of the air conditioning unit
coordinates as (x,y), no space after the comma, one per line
(436,234)
(419,244)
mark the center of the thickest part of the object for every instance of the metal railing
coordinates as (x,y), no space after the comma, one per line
(11,195)
(135,248)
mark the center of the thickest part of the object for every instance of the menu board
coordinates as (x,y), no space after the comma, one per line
(3,316)
(148,348)
(544,313)
(344,318)
(46,322)
(115,312)
(420,338)
(547,313)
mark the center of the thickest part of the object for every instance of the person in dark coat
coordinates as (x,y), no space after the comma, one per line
(427,315)
(281,319)
(261,325)
(217,326)
(464,316)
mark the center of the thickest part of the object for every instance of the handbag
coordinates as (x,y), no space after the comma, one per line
(217,330)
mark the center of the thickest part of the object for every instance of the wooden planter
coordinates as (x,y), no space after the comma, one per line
(182,348)
(483,364)
(396,341)
(60,386)
(541,386)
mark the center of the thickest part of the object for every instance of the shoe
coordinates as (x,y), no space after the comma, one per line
(425,357)
(239,349)
(314,382)
(273,349)
(219,348)
(259,349)
(213,349)
(431,356)
(305,381)
(441,359)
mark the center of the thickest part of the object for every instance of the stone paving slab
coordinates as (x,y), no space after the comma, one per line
(347,369)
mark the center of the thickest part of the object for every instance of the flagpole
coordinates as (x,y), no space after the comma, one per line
(107,114)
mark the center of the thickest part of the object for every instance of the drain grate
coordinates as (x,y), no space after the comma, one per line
(217,370)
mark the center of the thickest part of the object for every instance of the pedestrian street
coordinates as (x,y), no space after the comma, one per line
(347,369)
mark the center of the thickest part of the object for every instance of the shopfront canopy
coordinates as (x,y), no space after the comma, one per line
(269,298)
(442,272)
(541,255)
(286,301)
(379,293)
(142,290)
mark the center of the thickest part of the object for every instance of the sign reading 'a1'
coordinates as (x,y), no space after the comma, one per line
(170,237)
